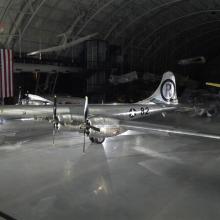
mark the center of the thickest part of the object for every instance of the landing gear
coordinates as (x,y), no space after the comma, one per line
(96,140)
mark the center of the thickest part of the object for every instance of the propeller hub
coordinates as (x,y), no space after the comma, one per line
(86,127)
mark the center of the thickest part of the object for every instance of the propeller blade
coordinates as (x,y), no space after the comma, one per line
(54,107)
(53,134)
(54,117)
(86,109)
(19,96)
(94,128)
(84,142)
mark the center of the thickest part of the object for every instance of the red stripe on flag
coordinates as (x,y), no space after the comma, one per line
(9,74)
(5,73)
(2,74)
(12,72)
(12,65)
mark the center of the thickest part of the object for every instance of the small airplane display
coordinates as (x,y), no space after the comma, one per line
(192,60)
(213,84)
(100,121)
(32,99)
(122,79)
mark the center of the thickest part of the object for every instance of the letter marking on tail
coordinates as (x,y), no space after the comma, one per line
(167,90)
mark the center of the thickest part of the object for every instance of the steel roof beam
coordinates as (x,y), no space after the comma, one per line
(146,14)
(194,38)
(17,23)
(164,43)
(183,44)
(176,20)
(20,19)
(34,12)
(108,3)
(6,10)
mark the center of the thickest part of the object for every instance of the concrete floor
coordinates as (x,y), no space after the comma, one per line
(137,176)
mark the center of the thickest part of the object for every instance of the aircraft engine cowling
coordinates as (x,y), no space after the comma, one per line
(109,127)
(71,122)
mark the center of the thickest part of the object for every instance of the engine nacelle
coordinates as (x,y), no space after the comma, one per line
(71,122)
(109,127)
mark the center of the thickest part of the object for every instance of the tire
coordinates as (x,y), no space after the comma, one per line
(92,139)
(97,140)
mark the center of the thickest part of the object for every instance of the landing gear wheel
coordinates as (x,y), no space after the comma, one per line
(99,140)
(92,139)
(95,140)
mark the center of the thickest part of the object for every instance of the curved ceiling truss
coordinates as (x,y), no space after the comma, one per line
(148,25)
(178,37)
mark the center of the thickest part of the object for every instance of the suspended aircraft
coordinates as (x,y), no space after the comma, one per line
(32,99)
(122,79)
(193,60)
(213,84)
(101,121)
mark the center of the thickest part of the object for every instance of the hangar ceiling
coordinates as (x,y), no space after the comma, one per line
(155,28)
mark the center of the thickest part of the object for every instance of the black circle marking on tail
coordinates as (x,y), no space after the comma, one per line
(167,90)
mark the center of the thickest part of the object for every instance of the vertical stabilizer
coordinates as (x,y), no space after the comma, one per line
(166,91)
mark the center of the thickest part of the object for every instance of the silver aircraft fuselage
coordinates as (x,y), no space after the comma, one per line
(119,111)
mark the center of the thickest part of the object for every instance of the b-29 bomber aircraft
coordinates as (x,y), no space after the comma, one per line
(100,121)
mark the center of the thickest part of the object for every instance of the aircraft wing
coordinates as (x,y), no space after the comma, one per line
(150,127)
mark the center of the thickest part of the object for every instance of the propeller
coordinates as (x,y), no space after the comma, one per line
(86,109)
(87,124)
(85,112)
(55,118)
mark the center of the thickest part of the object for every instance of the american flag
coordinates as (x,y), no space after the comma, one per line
(6,73)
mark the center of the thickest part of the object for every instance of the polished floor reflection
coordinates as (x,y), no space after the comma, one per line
(134,176)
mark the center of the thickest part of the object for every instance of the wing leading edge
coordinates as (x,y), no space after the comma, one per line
(147,127)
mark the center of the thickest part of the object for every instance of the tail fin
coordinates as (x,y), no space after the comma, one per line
(166,91)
